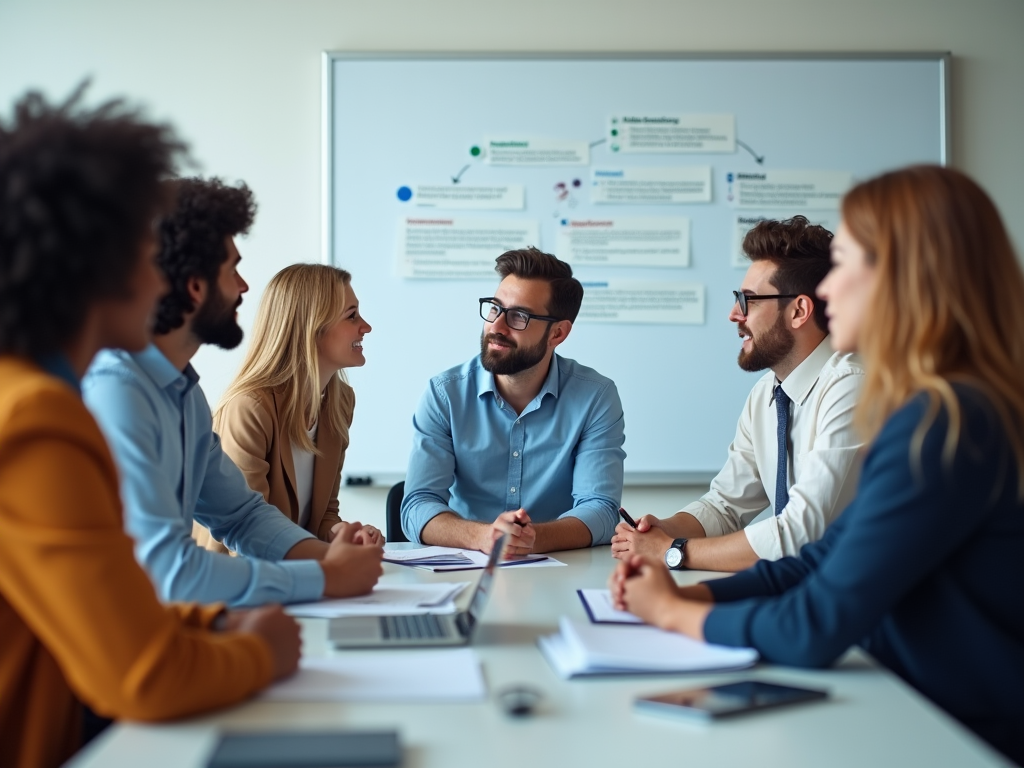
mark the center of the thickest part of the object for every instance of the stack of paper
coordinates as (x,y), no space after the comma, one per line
(440,559)
(392,675)
(386,600)
(594,649)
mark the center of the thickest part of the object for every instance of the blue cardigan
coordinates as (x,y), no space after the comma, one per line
(924,570)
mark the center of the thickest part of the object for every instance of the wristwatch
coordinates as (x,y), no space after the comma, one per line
(676,555)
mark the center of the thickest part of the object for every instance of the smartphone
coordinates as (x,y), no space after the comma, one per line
(625,516)
(306,749)
(727,700)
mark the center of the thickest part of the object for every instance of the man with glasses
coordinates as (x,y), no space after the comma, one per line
(795,449)
(518,440)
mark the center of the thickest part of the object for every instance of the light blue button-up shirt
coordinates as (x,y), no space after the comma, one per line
(160,430)
(474,455)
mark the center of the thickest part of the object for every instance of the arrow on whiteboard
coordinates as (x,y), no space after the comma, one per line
(595,143)
(455,179)
(757,159)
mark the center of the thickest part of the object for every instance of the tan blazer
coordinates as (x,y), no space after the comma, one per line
(250,431)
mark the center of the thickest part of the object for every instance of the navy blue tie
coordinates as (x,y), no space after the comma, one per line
(782,411)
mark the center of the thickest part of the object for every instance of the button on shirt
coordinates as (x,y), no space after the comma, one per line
(824,461)
(158,424)
(474,455)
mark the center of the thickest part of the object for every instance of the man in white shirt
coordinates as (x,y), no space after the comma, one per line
(801,410)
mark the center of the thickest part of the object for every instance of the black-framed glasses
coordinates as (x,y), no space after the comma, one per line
(742,298)
(516,319)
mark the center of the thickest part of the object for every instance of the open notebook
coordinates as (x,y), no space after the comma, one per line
(583,648)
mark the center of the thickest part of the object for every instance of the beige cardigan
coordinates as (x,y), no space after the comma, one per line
(250,431)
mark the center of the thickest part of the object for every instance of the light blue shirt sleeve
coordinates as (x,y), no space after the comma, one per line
(598,472)
(155,518)
(431,469)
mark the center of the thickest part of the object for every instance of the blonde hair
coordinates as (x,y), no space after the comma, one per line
(948,304)
(299,303)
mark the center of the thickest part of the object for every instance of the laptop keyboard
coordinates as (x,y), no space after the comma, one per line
(419,627)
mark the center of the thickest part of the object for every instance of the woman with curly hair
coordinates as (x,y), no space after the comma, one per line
(923,569)
(285,418)
(80,622)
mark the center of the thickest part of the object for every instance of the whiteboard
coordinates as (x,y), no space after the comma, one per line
(400,120)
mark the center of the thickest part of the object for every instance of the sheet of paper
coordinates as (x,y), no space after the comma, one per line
(504,197)
(523,151)
(643,301)
(453,247)
(598,605)
(475,560)
(637,241)
(744,222)
(787,189)
(672,134)
(392,675)
(647,185)
(386,600)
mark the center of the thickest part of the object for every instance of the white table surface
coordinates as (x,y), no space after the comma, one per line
(873,719)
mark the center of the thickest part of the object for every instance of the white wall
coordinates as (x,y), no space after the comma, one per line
(241,81)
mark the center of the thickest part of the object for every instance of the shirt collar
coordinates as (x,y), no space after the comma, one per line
(486,383)
(59,366)
(801,381)
(162,371)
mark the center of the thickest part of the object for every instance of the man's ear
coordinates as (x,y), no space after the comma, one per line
(197,290)
(802,309)
(559,333)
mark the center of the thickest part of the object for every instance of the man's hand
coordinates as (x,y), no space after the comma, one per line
(520,530)
(277,629)
(367,535)
(350,568)
(649,539)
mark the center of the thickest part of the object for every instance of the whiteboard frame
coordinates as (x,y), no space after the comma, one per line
(328,58)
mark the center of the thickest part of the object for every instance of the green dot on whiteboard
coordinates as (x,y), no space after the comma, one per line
(615,131)
(615,147)
(474,151)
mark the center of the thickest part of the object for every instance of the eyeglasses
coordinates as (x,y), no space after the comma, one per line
(743,298)
(516,319)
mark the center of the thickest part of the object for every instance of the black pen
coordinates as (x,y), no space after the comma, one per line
(625,516)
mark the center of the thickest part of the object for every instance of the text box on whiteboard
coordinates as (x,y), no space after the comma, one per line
(635,241)
(647,185)
(455,247)
(672,134)
(534,152)
(503,197)
(792,190)
(671,302)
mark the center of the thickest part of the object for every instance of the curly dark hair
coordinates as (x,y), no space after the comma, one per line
(800,252)
(533,264)
(79,191)
(192,240)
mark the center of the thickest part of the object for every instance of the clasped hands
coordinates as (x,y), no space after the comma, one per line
(522,535)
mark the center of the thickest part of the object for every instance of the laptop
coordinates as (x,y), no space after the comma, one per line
(426,629)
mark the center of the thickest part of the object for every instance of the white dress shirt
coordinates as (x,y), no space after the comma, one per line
(303,463)
(824,457)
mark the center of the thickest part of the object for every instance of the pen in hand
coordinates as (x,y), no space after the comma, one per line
(625,516)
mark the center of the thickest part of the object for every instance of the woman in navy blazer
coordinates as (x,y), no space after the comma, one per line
(924,568)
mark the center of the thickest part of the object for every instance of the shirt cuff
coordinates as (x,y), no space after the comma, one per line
(709,518)
(598,521)
(419,516)
(281,544)
(307,580)
(764,539)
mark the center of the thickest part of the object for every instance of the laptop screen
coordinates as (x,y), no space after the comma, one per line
(483,587)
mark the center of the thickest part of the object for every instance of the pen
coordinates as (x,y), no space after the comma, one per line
(625,516)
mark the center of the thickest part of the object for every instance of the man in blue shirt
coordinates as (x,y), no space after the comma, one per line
(159,427)
(518,440)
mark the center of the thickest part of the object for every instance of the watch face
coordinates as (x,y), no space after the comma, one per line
(673,557)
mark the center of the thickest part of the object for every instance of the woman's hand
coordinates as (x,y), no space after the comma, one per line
(646,589)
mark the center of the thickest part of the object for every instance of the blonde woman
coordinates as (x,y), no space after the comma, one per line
(924,567)
(285,419)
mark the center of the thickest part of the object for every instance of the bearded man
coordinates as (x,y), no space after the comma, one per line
(518,440)
(795,448)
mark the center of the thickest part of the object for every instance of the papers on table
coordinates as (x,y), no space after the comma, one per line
(595,649)
(386,600)
(393,675)
(440,559)
(598,605)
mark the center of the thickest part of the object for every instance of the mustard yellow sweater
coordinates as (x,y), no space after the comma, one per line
(79,619)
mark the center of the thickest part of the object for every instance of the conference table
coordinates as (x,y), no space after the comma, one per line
(871,719)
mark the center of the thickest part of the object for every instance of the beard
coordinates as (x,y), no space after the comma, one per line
(769,349)
(516,360)
(215,322)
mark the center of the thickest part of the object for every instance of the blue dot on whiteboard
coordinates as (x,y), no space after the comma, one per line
(565,223)
(404,194)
